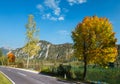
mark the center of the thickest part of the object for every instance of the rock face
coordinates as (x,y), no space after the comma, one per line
(50,51)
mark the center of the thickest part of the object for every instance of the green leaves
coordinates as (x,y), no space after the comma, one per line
(1,53)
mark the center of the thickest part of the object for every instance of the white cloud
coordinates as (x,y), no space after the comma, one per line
(51,10)
(46,16)
(40,7)
(82,1)
(61,18)
(57,11)
(53,18)
(65,10)
(54,5)
(63,32)
(50,17)
(72,2)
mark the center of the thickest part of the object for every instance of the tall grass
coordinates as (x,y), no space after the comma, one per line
(110,75)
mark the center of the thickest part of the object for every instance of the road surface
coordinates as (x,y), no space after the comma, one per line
(25,77)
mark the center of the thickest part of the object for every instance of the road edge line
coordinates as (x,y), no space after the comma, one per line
(27,70)
(8,77)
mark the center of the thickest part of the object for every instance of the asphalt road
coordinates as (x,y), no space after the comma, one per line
(25,77)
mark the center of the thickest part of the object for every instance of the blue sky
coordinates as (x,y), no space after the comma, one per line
(55,18)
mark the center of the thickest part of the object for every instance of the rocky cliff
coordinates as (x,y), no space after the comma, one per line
(50,51)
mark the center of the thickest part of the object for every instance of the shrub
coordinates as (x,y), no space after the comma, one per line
(64,69)
(60,70)
(20,65)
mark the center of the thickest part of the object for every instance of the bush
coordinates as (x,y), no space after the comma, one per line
(64,69)
(20,65)
(48,70)
(37,67)
(54,70)
(60,70)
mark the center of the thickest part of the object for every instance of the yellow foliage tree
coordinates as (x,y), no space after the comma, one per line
(94,42)
(31,47)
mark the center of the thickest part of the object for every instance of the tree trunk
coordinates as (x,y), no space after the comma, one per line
(85,69)
(2,62)
(85,61)
(28,62)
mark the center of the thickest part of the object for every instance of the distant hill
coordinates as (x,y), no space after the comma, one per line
(5,50)
(53,51)
(50,51)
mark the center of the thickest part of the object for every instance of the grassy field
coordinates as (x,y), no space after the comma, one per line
(3,79)
(98,74)
(109,75)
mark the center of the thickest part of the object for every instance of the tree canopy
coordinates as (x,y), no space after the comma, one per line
(31,47)
(11,57)
(94,41)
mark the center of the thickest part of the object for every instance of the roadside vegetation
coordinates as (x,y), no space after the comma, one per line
(3,79)
(95,74)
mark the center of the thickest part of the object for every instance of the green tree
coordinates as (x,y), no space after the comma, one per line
(1,56)
(31,47)
(94,42)
(1,52)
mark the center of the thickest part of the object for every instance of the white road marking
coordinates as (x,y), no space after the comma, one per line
(21,74)
(7,77)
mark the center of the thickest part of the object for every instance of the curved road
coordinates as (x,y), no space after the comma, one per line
(25,77)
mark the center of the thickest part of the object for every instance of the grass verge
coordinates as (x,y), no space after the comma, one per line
(4,80)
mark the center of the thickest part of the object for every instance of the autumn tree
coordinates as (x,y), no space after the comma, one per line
(94,42)
(11,57)
(31,47)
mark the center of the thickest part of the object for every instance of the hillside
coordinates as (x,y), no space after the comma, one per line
(5,50)
(50,51)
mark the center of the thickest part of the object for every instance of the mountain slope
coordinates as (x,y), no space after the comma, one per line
(5,50)
(50,51)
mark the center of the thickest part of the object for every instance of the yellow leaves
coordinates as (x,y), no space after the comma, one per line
(110,54)
(31,48)
(99,39)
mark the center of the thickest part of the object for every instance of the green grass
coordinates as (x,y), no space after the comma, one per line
(111,76)
(98,74)
(3,79)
